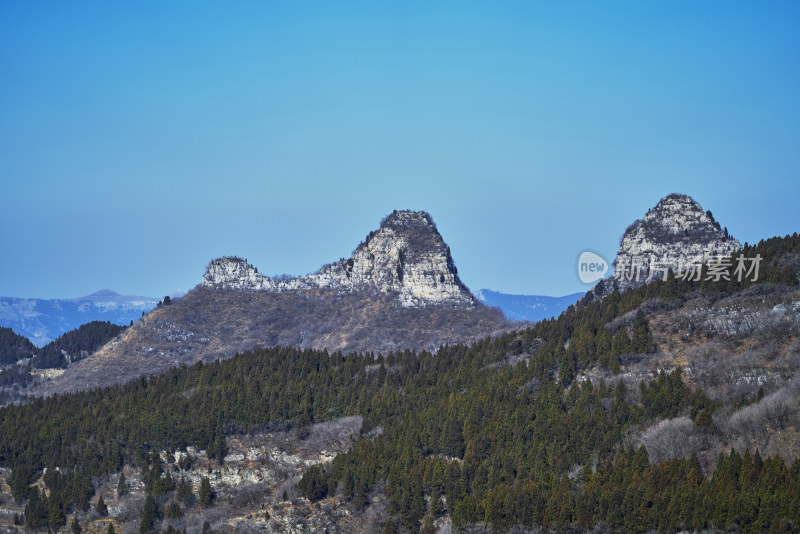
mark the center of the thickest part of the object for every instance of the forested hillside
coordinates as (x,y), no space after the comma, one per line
(498,433)
(14,347)
(58,354)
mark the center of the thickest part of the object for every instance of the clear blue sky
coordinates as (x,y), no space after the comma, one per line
(139,140)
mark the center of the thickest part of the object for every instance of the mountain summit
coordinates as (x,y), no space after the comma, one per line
(405,257)
(676,229)
(673,235)
(399,290)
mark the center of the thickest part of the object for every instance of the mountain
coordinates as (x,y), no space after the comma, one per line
(399,290)
(527,307)
(674,235)
(405,257)
(43,320)
(671,406)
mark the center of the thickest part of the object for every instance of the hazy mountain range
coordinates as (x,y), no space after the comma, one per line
(527,307)
(43,320)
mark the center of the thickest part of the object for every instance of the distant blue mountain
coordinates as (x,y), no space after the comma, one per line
(527,307)
(43,320)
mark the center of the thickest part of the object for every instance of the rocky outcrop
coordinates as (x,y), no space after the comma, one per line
(236,274)
(406,257)
(675,235)
(676,230)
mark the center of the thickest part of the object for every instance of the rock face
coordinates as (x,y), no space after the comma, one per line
(674,235)
(676,230)
(406,257)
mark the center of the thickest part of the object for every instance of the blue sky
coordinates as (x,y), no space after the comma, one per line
(140,140)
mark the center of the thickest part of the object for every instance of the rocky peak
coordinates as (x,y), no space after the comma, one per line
(406,256)
(674,233)
(231,272)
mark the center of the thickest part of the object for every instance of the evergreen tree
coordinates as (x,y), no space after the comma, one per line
(173,511)
(704,420)
(186,492)
(621,342)
(101,509)
(36,510)
(788,276)
(437,506)
(388,527)
(427,526)
(205,493)
(453,439)
(75,526)
(566,368)
(669,288)
(642,341)
(149,515)
(122,485)
(55,515)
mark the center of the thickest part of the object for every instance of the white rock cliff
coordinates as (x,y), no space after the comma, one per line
(674,235)
(405,256)
(676,230)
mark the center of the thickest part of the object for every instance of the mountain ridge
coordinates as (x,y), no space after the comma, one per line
(406,255)
(398,291)
(43,320)
(527,307)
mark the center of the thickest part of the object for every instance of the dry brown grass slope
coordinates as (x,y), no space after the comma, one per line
(209,323)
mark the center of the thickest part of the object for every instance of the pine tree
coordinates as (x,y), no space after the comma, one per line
(206,494)
(642,340)
(110,529)
(101,509)
(437,507)
(603,344)
(122,485)
(566,368)
(452,442)
(621,343)
(788,276)
(388,527)
(185,492)
(76,527)
(669,287)
(173,511)
(704,420)
(55,515)
(149,515)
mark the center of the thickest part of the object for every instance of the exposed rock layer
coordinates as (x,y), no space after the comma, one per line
(406,256)
(676,230)
(674,235)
